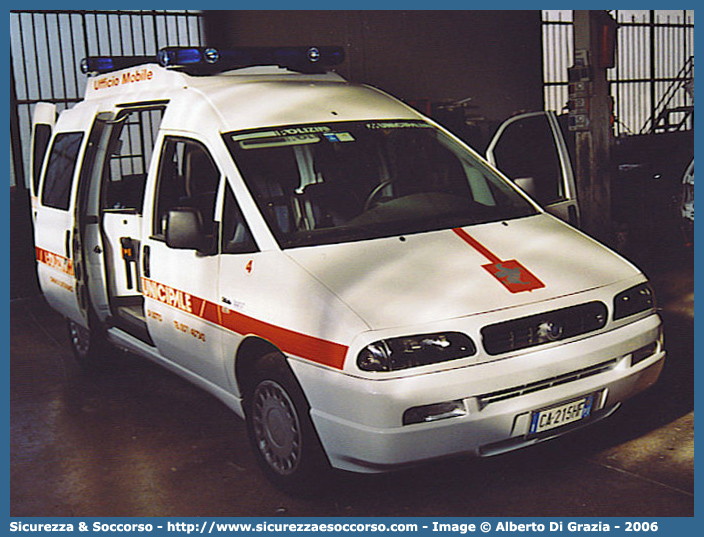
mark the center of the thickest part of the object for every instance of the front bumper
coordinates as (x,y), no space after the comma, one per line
(359,421)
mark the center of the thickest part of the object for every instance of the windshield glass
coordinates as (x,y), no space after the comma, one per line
(338,182)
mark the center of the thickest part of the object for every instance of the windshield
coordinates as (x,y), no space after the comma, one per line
(338,182)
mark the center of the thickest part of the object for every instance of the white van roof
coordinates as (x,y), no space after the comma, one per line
(156,78)
(249,97)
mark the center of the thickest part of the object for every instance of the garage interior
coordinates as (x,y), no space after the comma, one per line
(135,440)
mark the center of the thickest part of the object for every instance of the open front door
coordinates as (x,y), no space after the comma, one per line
(531,150)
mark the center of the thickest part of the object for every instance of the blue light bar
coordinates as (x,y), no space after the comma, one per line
(180,56)
(209,60)
(205,60)
(93,65)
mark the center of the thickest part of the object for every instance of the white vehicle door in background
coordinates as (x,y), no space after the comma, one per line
(57,246)
(530,149)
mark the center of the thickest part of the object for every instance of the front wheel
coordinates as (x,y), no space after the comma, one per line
(90,347)
(282,435)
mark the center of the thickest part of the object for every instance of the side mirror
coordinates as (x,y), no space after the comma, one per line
(183,229)
(527,184)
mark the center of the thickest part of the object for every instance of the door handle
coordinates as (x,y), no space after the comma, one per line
(145,261)
(67,244)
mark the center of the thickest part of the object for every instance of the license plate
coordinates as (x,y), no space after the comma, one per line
(557,416)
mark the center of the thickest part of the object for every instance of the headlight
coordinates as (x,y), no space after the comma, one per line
(634,300)
(404,352)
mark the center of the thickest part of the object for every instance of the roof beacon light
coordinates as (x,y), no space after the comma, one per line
(313,54)
(94,65)
(211,55)
(184,56)
(211,60)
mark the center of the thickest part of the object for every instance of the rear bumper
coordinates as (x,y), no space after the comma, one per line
(360,425)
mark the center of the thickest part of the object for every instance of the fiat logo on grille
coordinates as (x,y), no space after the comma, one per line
(550,331)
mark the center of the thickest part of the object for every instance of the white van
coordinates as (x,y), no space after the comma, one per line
(346,275)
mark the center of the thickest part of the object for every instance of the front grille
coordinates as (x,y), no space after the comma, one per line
(544,384)
(545,327)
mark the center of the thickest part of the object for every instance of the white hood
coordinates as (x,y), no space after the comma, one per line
(439,275)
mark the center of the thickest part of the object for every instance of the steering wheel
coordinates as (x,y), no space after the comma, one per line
(375,193)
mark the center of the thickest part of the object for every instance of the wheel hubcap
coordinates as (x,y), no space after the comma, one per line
(80,338)
(276,427)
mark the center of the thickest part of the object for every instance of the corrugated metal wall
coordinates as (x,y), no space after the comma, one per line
(655,61)
(46,47)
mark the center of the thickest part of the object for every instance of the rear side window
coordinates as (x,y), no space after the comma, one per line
(60,170)
(40,141)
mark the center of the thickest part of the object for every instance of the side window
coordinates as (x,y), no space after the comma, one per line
(236,237)
(527,150)
(40,141)
(188,177)
(60,170)
(131,150)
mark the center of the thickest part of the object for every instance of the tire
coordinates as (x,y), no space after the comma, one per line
(90,347)
(280,430)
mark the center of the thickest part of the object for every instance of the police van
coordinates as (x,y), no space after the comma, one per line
(361,287)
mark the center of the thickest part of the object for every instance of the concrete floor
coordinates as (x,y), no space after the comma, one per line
(139,441)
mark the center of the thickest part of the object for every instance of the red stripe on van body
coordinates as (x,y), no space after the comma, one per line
(50,259)
(510,273)
(311,348)
(314,349)
(474,243)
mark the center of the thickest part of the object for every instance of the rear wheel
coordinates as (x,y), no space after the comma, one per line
(90,347)
(281,433)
